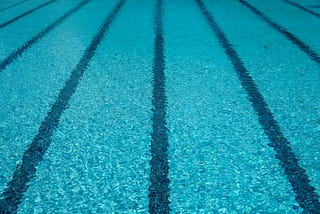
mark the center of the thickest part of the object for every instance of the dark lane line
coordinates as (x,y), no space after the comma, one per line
(301,45)
(25,14)
(25,171)
(159,181)
(303,8)
(305,193)
(18,52)
(13,5)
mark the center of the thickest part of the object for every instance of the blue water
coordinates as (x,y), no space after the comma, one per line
(219,156)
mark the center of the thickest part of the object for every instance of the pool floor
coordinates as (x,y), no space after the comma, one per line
(160,106)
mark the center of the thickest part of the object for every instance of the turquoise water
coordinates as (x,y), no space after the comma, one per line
(96,156)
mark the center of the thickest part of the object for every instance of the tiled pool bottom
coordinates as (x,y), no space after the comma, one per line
(135,106)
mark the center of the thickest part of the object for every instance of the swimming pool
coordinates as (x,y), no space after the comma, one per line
(136,106)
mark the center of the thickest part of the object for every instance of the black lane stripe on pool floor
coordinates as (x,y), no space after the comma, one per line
(305,193)
(25,171)
(18,52)
(302,8)
(301,45)
(25,14)
(13,5)
(159,182)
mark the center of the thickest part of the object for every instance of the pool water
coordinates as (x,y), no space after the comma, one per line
(159,106)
